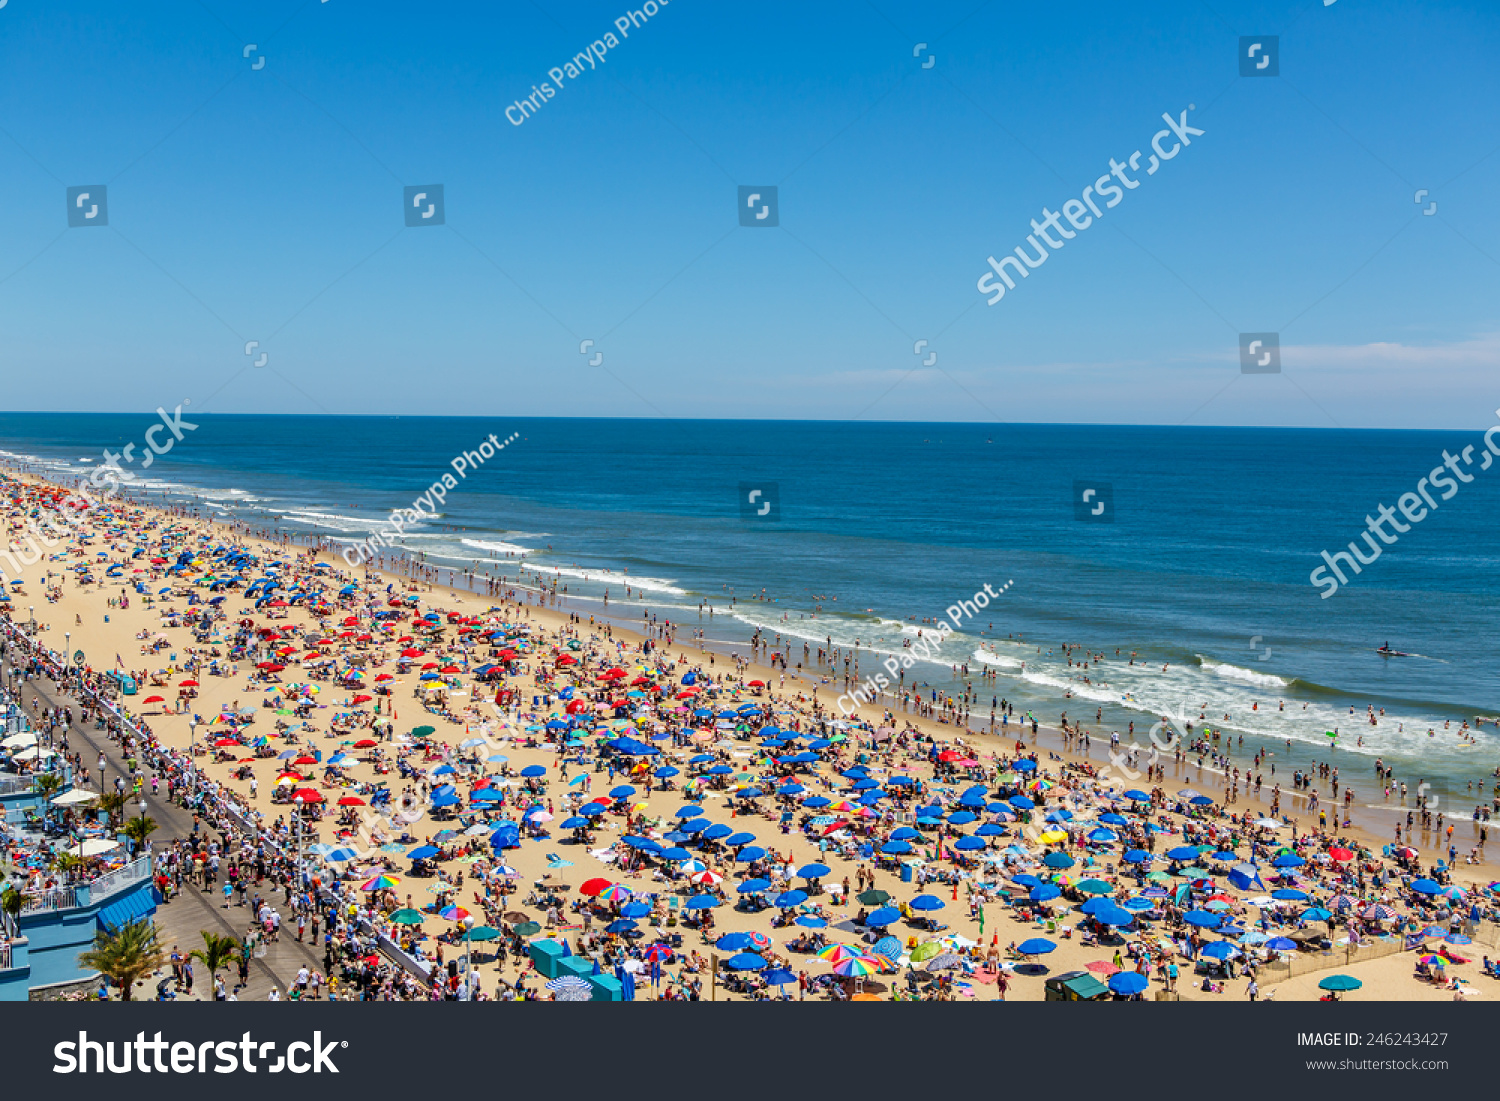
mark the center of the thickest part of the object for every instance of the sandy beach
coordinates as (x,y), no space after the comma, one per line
(555,699)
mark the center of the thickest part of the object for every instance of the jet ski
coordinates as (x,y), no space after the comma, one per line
(1387,652)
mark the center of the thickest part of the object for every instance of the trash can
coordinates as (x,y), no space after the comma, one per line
(905,873)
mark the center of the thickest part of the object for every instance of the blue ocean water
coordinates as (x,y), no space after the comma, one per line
(1201,564)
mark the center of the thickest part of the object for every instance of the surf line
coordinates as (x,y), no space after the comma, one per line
(436,494)
(875,684)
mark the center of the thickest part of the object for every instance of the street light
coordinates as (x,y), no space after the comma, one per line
(468,924)
(297,802)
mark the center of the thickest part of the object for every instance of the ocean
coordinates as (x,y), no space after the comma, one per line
(1194,552)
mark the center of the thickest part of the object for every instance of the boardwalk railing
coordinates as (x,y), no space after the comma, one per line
(137,871)
(16,785)
(58,898)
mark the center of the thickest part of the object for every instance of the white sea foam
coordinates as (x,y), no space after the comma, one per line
(611,577)
(497,546)
(1249,676)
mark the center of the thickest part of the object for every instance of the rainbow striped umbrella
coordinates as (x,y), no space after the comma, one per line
(856,966)
(836,953)
(453,913)
(615,892)
(382,882)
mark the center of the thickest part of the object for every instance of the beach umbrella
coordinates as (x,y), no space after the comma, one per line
(927,902)
(422,852)
(788,899)
(1281,944)
(1339,983)
(886,915)
(635,908)
(1128,982)
(1219,950)
(1036,946)
(944,961)
(1458,938)
(1377,911)
(1315,913)
(1093,887)
(754,886)
(857,966)
(701,902)
(621,925)
(874,897)
(1044,892)
(1113,915)
(1202,918)
(407,917)
(811,871)
(745,961)
(381,882)
(778,976)
(1288,860)
(1288,895)
(732,942)
(571,988)
(1426,886)
(594,886)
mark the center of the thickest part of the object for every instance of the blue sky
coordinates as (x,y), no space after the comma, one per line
(266,205)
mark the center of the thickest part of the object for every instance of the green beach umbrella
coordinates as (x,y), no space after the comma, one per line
(528,929)
(483,932)
(423,731)
(926,951)
(1340,983)
(874,897)
(407,917)
(1094,887)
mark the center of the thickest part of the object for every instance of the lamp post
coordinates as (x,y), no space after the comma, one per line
(468,924)
(192,743)
(67,651)
(297,802)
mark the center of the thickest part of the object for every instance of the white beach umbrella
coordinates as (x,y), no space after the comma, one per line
(74,797)
(19,741)
(94,847)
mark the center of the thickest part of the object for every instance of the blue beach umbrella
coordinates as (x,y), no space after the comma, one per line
(1036,946)
(1128,982)
(927,902)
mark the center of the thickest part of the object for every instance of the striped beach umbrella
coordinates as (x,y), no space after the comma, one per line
(856,966)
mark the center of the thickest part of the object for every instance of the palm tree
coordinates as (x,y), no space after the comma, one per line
(69,863)
(138,829)
(47,782)
(218,951)
(12,902)
(113,803)
(125,956)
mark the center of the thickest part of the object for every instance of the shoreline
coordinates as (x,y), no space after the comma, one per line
(1371,826)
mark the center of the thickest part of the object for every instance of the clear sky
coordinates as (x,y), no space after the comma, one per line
(267,204)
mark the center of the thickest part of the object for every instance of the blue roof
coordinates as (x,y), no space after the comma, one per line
(132,907)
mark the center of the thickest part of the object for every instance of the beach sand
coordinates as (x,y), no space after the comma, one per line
(102,633)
